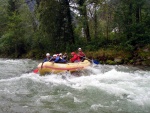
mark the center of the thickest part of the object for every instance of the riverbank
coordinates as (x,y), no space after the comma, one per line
(110,56)
(140,56)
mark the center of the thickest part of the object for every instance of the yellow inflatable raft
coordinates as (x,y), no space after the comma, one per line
(50,67)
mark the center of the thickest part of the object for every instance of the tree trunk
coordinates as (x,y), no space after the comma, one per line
(137,14)
(83,12)
(87,32)
(70,27)
(129,33)
(95,22)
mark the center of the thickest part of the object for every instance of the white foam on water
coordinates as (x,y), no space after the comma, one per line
(14,61)
(118,85)
(17,78)
(95,107)
(132,86)
(76,100)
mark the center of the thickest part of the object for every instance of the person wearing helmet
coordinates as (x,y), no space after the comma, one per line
(75,57)
(62,60)
(81,54)
(65,56)
(60,55)
(48,57)
(53,58)
(59,59)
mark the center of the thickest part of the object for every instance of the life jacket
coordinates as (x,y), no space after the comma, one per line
(57,59)
(47,59)
(75,58)
(81,54)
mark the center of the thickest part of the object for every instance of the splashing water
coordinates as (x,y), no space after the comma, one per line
(102,89)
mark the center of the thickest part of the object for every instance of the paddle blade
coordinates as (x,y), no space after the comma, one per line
(35,71)
(95,62)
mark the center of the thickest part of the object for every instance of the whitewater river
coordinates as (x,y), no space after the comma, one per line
(105,89)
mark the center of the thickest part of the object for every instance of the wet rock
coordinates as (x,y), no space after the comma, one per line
(138,63)
(131,61)
(146,50)
(110,62)
(118,60)
(146,63)
(143,63)
(138,60)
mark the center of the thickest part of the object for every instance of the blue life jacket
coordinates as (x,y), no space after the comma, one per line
(47,59)
(57,59)
(62,61)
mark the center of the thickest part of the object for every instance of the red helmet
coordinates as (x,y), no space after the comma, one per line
(73,53)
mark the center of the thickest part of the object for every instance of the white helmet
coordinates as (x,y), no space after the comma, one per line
(60,54)
(47,54)
(54,55)
(79,48)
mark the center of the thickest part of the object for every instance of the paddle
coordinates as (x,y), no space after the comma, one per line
(93,61)
(35,70)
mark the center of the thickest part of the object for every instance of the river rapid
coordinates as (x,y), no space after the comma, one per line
(102,89)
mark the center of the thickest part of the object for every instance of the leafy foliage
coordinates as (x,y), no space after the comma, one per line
(64,25)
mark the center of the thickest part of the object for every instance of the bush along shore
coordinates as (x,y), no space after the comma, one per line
(110,56)
(141,56)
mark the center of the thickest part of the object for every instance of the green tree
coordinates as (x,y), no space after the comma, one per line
(3,16)
(84,18)
(55,25)
(132,21)
(14,39)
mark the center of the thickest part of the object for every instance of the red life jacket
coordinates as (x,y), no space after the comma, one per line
(75,58)
(81,54)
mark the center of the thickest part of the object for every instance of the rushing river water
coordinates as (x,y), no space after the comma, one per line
(106,89)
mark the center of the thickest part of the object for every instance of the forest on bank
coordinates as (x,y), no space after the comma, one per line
(109,30)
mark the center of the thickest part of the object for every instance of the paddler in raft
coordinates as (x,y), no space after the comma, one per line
(58,58)
(75,57)
(48,57)
(65,56)
(81,54)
